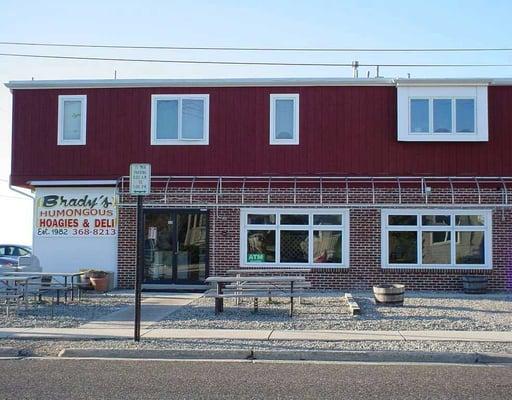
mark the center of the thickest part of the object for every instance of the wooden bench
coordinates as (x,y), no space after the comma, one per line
(255,287)
(269,291)
(9,296)
(14,288)
(352,304)
(269,272)
(243,285)
(52,283)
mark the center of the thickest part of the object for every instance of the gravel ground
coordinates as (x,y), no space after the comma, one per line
(53,347)
(69,315)
(421,310)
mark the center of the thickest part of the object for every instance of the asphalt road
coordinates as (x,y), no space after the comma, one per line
(143,379)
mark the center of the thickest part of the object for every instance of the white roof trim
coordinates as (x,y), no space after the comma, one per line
(502,82)
(444,82)
(252,82)
(74,183)
(130,83)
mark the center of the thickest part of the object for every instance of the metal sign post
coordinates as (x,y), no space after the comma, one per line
(140,269)
(140,185)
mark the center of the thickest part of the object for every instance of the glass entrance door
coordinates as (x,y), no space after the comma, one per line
(175,246)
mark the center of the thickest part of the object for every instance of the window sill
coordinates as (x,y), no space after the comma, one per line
(284,143)
(438,267)
(439,137)
(180,143)
(283,266)
(70,143)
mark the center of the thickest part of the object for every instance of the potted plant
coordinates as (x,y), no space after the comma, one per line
(84,281)
(99,280)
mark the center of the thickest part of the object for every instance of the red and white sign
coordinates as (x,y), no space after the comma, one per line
(90,214)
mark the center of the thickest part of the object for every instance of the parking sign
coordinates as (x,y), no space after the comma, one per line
(140,179)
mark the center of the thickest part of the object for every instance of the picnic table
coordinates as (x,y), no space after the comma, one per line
(240,271)
(269,270)
(65,284)
(10,285)
(253,286)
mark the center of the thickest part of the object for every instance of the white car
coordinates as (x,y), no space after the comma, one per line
(18,258)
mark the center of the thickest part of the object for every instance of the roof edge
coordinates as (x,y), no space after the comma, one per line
(252,82)
(133,83)
(444,82)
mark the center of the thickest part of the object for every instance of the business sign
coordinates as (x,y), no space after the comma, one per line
(75,214)
(140,179)
(256,257)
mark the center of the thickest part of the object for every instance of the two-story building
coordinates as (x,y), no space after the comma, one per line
(364,180)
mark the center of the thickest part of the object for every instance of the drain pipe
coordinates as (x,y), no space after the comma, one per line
(20,192)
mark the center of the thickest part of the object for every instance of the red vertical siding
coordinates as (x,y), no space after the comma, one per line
(343,131)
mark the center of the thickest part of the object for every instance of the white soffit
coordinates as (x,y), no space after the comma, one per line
(74,183)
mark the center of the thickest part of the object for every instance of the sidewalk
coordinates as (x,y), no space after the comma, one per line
(153,309)
(156,306)
(96,332)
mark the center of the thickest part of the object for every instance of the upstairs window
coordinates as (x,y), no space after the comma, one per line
(179,119)
(284,119)
(442,114)
(436,115)
(72,120)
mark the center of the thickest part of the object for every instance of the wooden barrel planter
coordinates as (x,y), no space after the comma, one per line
(389,294)
(474,284)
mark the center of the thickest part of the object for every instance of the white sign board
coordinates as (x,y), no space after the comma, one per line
(140,179)
(75,227)
(152,232)
(75,213)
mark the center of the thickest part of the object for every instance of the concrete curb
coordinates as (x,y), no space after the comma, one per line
(9,352)
(158,354)
(494,358)
(285,355)
(370,356)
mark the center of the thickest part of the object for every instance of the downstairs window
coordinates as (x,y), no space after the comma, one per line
(459,239)
(293,237)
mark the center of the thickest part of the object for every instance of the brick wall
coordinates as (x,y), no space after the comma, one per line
(365,232)
(126,247)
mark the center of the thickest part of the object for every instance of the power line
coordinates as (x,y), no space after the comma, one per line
(152,60)
(298,49)
(265,63)
(3,196)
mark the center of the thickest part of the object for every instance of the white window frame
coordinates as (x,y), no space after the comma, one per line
(180,141)
(476,92)
(486,228)
(285,96)
(278,227)
(83,122)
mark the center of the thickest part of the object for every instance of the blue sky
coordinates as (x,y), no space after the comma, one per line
(368,23)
